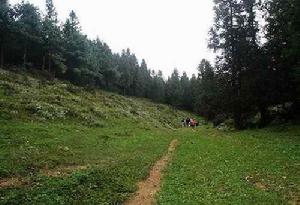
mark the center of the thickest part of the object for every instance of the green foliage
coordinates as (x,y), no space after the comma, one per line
(207,92)
(173,89)
(28,24)
(6,22)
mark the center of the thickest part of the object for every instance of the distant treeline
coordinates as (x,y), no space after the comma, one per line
(249,76)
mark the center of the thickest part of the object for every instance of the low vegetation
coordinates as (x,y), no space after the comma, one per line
(248,167)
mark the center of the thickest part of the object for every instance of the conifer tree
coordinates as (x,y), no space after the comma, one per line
(234,35)
(52,40)
(74,45)
(6,22)
(173,89)
(28,26)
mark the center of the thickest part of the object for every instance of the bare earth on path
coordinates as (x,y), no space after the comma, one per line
(148,188)
(57,172)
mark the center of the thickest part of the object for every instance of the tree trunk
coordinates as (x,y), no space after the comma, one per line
(107,84)
(25,57)
(264,116)
(44,62)
(54,73)
(238,104)
(235,75)
(237,116)
(2,56)
(49,62)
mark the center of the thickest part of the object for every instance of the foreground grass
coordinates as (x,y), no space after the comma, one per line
(249,167)
(117,158)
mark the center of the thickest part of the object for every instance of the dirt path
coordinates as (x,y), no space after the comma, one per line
(11,182)
(148,188)
(57,172)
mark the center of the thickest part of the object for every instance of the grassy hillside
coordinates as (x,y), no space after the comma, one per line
(23,97)
(57,128)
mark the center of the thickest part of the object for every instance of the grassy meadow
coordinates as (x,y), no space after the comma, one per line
(68,145)
(247,167)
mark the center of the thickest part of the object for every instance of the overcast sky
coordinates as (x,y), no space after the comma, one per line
(168,34)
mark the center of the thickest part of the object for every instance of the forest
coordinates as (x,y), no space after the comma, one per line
(255,76)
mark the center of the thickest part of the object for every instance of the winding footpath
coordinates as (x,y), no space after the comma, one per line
(148,188)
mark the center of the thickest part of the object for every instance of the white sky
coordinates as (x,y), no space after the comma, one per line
(168,34)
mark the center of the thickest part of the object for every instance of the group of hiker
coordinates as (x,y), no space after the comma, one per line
(189,122)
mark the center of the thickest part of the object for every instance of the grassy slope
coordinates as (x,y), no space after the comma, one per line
(51,124)
(249,167)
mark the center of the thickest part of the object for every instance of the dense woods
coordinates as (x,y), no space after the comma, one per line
(257,67)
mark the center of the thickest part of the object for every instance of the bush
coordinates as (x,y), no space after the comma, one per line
(47,111)
(219,119)
(9,90)
(73,89)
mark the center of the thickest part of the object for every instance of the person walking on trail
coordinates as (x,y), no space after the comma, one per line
(192,123)
(187,121)
(183,122)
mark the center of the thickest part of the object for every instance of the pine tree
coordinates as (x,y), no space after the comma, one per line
(157,87)
(283,46)
(74,45)
(173,89)
(186,98)
(234,35)
(207,92)
(6,22)
(194,84)
(52,40)
(108,70)
(29,26)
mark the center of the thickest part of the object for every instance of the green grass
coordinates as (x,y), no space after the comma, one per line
(55,124)
(249,167)
(52,124)
(117,159)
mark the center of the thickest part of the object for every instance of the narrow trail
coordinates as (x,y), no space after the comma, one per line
(148,188)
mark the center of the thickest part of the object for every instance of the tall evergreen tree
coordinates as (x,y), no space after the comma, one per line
(127,67)
(74,45)
(52,40)
(6,22)
(186,98)
(207,91)
(283,47)
(173,89)
(234,35)
(157,87)
(28,23)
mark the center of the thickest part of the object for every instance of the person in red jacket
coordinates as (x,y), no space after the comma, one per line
(192,123)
